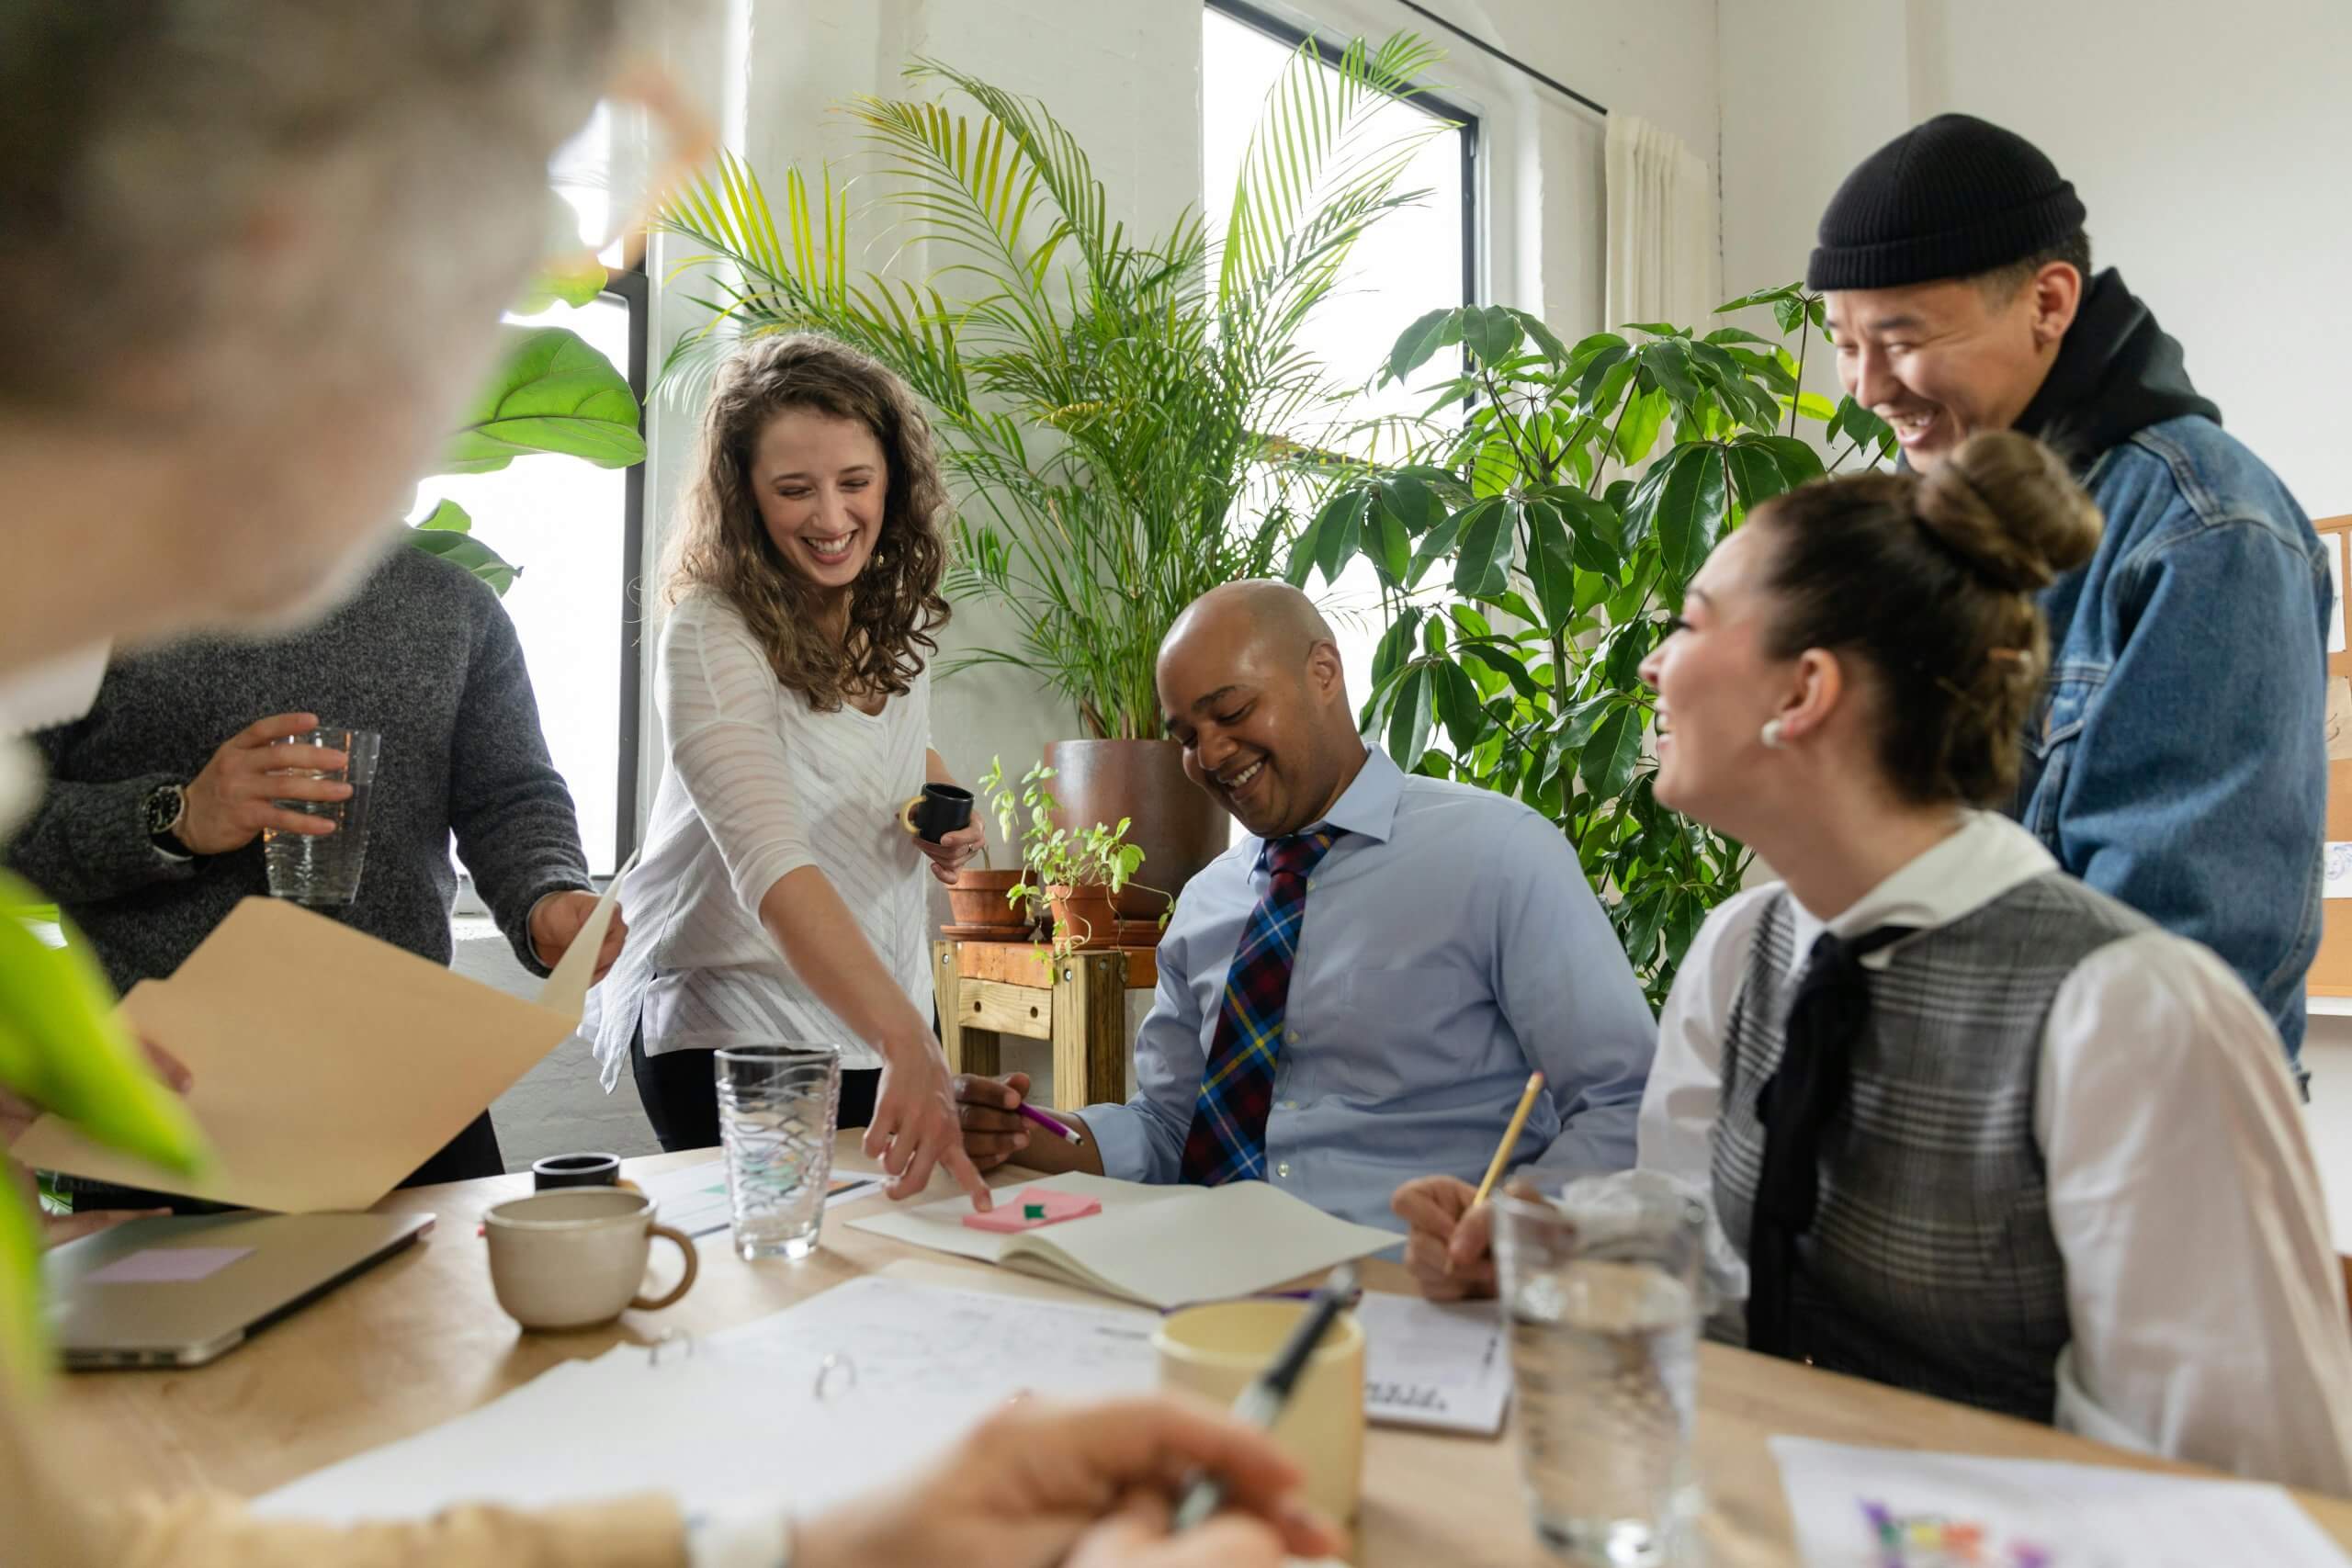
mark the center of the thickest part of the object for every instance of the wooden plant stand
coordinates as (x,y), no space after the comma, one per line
(989,989)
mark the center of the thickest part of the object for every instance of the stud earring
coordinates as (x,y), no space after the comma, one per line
(1772,734)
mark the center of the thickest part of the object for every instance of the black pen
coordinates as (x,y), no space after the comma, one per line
(1261,1403)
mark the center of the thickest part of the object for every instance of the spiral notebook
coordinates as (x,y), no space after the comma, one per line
(1158,1245)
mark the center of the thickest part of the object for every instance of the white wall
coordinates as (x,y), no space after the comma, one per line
(2207,145)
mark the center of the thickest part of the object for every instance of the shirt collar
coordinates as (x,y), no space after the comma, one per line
(1367,808)
(1989,857)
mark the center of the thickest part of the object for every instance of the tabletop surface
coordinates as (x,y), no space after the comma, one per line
(420,1339)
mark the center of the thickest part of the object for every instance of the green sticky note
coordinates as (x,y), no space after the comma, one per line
(1033,1211)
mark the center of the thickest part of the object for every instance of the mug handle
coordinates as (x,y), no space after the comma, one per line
(693,1266)
(906,816)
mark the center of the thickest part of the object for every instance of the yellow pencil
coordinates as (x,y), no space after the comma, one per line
(1511,1137)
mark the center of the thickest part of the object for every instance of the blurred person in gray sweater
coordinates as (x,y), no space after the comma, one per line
(149,829)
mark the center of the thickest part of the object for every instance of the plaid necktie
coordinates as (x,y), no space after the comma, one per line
(1228,1138)
(1831,1010)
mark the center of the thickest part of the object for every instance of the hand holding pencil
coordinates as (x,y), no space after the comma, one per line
(1450,1248)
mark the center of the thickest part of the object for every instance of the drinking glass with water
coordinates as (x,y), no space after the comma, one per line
(777,1105)
(1601,1291)
(323,870)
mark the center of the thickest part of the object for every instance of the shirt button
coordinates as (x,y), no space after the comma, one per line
(1287,1105)
(1310,885)
(1283,1169)
(1291,1036)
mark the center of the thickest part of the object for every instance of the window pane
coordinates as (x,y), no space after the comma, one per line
(563,522)
(1408,264)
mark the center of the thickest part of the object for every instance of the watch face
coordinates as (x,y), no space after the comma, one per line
(163,810)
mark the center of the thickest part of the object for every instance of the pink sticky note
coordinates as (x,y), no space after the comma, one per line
(1008,1216)
(168,1265)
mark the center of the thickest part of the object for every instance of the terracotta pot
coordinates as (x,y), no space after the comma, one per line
(1093,921)
(1179,827)
(978,900)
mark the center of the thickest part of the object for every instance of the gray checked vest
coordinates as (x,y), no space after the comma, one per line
(1930,1264)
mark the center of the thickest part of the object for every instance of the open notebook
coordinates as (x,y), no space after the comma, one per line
(1158,1245)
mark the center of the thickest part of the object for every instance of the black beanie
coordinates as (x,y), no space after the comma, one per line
(1952,198)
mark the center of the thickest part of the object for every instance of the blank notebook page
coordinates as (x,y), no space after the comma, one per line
(1204,1244)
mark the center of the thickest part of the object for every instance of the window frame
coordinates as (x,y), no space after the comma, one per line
(1469,126)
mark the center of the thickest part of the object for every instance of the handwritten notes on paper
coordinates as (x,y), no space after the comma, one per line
(1442,1365)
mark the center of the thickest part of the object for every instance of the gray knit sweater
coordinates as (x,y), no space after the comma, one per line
(425,655)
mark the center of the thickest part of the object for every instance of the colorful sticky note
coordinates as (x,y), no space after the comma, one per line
(1036,1206)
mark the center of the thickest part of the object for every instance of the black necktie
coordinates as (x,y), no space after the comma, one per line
(1831,1007)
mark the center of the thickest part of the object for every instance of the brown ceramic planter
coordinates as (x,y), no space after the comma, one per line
(1179,827)
(1093,921)
(977,900)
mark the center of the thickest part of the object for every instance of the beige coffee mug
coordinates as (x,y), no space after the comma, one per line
(576,1256)
(1215,1350)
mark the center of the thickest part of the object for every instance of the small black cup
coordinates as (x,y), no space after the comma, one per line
(575,1171)
(938,811)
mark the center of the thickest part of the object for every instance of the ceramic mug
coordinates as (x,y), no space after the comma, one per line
(576,1256)
(1216,1350)
(939,810)
(557,1171)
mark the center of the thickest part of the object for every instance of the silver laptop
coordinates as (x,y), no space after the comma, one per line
(179,1290)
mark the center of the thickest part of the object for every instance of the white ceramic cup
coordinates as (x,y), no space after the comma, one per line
(1215,1351)
(576,1256)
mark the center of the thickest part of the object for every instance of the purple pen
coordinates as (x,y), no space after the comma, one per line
(1060,1129)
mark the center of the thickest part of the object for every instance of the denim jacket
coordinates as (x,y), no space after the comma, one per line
(2179,759)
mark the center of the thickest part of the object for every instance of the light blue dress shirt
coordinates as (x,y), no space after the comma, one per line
(1451,945)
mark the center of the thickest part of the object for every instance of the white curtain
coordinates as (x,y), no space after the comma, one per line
(1664,259)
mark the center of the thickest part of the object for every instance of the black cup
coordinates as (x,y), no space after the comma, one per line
(938,811)
(575,1171)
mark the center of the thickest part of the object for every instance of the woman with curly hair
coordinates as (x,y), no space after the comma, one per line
(779,898)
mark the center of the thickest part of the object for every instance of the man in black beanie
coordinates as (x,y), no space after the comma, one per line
(2177,761)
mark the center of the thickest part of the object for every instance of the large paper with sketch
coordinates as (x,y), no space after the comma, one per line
(328,1065)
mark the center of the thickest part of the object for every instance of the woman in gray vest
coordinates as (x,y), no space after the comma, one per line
(1980,1131)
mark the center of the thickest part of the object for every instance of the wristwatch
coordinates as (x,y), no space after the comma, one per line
(166,808)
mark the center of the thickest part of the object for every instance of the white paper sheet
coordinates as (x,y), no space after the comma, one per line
(694,1200)
(738,1421)
(1439,1364)
(940,1226)
(2036,1514)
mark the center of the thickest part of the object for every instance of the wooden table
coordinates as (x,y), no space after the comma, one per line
(989,989)
(420,1339)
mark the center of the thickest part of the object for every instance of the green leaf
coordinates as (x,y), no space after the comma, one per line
(1721,336)
(1800,464)
(1341,532)
(1504,662)
(1756,474)
(1542,336)
(1668,362)
(1435,546)
(1408,718)
(1458,705)
(1483,564)
(470,553)
(449,518)
(1600,534)
(1490,335)
(1417,343)
(1608,759)
(1812,405)
(1786,291)
(1788,311)
(1690,510)
(1469,621)
(1551,562)
(1576,726)
(1629,644)
(1395,645)
(1655,329)
(552,393)
(1387,543)
(1303,553)
(1863,425)
(1414,504)
(1597,369)
(1645,417)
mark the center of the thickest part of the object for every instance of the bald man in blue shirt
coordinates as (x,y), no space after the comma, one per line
(1354,995)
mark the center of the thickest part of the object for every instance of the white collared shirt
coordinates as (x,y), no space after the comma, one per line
(2206,1304)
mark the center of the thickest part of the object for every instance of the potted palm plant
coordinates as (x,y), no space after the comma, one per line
(1111,408)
